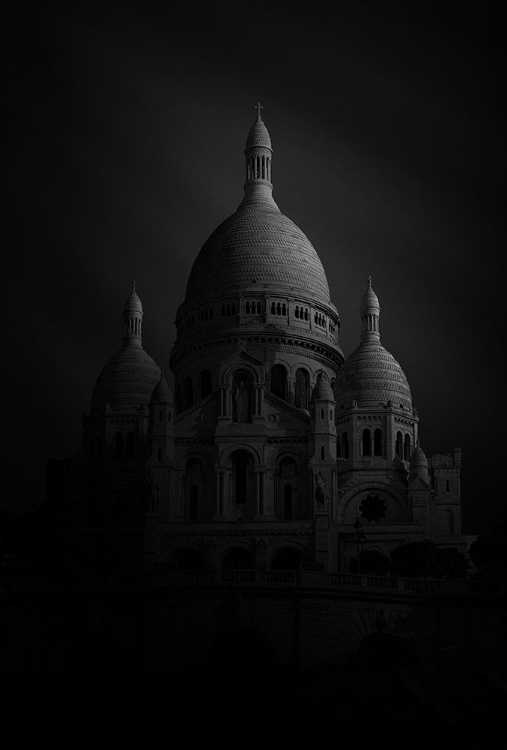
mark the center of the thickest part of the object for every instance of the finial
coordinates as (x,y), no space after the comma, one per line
(258,107)
(134,285)
(368,280)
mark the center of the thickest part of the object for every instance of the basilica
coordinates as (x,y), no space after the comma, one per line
(275,451)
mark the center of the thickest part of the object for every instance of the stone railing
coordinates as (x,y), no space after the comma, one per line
(321,579)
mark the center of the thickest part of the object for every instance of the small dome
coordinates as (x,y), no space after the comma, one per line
(258,136)
(418,459)
(126,381)
(371,375)
(162,393)
(322,390)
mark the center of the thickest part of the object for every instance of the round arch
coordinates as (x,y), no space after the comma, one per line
(396,506)
(227,376)
(225,457)
(183,457)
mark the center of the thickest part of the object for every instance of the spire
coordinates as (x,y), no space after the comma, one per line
(258,152)
(132,316)
(370,314)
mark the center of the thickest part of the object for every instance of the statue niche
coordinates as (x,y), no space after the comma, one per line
(242,386)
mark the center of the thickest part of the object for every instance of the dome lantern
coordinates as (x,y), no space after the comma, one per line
(259,153)
(133,316)
(370,314)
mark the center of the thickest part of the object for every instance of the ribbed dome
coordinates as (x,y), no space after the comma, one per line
(126,381)
(371,375)
(258,246)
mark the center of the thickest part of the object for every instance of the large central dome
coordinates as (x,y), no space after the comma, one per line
(258,246)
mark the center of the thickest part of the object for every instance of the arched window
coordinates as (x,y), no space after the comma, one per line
(205,383)
(243,477)
(302,387)
(448,522)
(287,502)
(287,495)
(399,445)
(194,502)
(406,448)
(296,312)
(377,442)
(366,442)
(273,308)
(189,392)
(118,446)
(130,445)
(279,381)
(345,445)
(322,453)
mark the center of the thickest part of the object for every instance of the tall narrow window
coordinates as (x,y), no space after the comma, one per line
(118,446)
(130,445)
(366,442)
(287,502)
(189,392)
(205,381)
(301,394)
(406,448)
(279,381)
(399,445)
(194,503)
(448,522)
(345,445)
(242,467)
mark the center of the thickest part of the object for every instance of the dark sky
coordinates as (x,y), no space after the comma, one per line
(125,150)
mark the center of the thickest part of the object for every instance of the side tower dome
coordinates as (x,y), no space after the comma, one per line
(130,376)
(371,375)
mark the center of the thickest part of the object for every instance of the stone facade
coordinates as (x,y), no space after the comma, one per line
(276,450)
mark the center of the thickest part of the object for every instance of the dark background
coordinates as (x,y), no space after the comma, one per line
(124,146)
